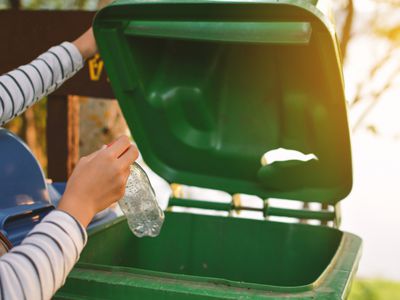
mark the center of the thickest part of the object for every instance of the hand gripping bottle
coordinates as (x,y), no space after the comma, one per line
(139,204)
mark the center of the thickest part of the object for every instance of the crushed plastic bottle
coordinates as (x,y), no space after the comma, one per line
(140,206)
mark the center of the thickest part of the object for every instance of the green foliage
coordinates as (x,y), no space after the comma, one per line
(4,4)
(375,290)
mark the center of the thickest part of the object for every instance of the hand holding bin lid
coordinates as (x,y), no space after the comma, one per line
(209,87)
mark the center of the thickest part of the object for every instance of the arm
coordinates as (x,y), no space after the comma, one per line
(24,86)
(39,266)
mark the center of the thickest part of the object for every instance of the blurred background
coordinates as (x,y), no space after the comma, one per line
(369,31)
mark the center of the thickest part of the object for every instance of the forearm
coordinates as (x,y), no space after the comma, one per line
(24,86)
(39,266)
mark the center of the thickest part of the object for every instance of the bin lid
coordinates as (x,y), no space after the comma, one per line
(24,198)
(22,181)
(208,87)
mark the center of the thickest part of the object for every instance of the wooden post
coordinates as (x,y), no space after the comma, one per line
(62,136)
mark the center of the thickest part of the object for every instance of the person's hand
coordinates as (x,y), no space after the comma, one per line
(98,180)
(86,44)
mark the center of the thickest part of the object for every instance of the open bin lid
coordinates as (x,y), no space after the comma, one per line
(208,87)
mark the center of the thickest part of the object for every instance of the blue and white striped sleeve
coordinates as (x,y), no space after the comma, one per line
(24,86)
(38,267)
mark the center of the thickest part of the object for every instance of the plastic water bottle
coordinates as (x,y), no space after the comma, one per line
(140,206)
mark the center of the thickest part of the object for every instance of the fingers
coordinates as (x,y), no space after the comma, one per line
(94,154)
(128,157)
(117,148)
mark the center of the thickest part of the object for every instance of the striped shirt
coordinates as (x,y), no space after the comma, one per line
(38,267)
(24,86)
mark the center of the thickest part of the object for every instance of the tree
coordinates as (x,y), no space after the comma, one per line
(382,29)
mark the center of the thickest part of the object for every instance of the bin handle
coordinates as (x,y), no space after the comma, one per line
(288,33)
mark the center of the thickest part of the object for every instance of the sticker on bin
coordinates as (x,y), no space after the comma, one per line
(282,154)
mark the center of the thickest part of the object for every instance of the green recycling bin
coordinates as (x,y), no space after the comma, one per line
(208,87)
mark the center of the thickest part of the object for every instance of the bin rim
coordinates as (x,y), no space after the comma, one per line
(337,277)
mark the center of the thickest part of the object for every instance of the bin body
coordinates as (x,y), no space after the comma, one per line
(207,88)
(214,257)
